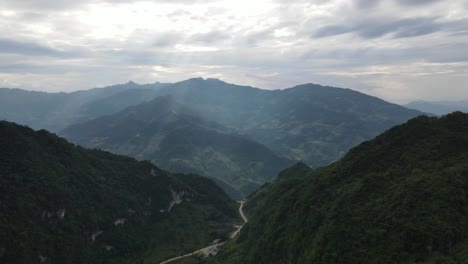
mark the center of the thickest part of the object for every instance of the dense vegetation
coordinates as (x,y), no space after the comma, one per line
(60,203)
(399,198)
(172,137)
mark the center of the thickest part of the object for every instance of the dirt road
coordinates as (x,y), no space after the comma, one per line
(213,249)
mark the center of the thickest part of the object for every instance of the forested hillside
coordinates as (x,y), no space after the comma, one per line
(60,203)
(399,198)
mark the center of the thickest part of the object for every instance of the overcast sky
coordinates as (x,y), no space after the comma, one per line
(399,50)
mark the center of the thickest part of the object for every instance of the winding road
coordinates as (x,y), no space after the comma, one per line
(206,251)
(241,212)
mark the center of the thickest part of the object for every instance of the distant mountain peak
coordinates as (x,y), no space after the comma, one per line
(438,107)
(196,79)
(201,79)
(214,79)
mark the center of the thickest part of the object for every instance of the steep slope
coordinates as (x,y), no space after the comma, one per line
(439,108)
(399,198)
(171,136)
(64,204)
(55,111)
(308,122)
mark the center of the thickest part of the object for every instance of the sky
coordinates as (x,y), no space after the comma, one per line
(399,50)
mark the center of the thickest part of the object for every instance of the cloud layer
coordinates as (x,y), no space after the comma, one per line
(396,49)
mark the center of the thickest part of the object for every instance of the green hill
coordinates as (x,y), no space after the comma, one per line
(60,203)
(174,138)
(399,198)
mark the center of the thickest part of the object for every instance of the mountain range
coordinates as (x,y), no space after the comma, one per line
(240,135)
(331,175)
(439,107)
(312,123)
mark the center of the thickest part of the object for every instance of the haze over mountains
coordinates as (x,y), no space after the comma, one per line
(309,122)
(55,111)
(439,107)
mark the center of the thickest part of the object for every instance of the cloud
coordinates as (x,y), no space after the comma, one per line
(374,28)
(210,37)
(54,5)
(366,3)
(363,44)
(30,49)
(165,39)
(417,2)
(42,5)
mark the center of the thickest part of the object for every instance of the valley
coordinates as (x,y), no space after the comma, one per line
(213,249)
(233,132)
(282,151)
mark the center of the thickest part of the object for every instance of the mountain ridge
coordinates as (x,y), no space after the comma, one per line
(314,123)
(439,107)
(54,111)
(325,120)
